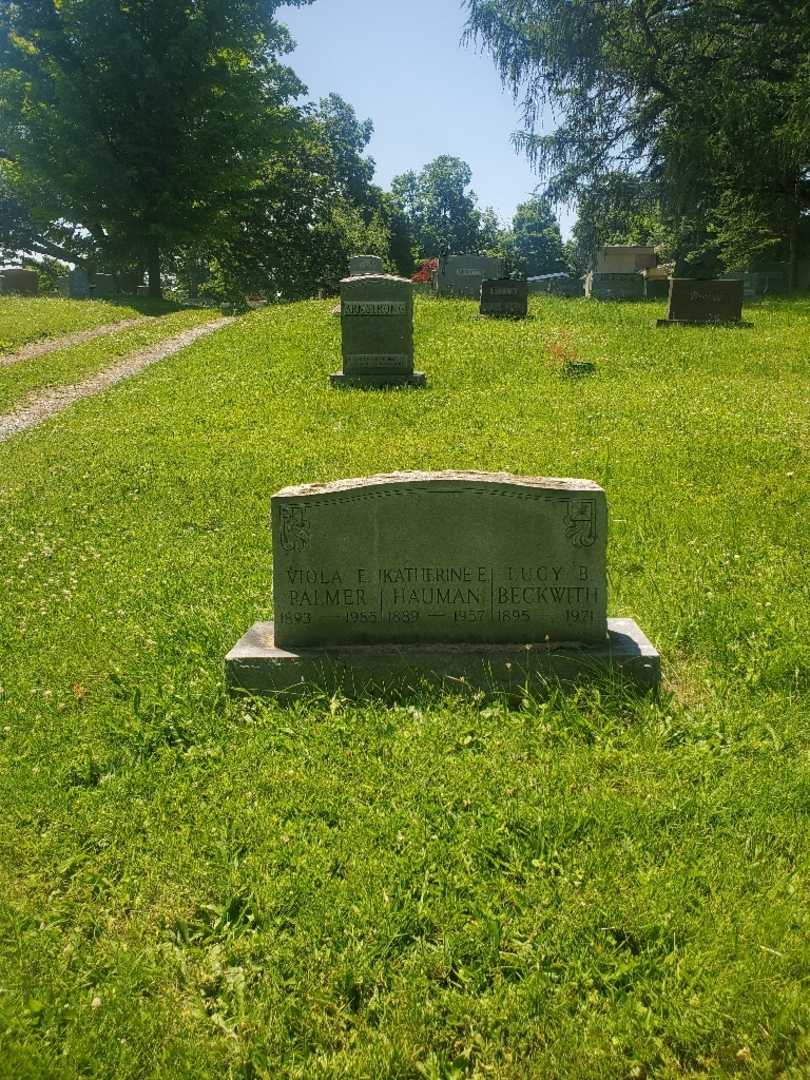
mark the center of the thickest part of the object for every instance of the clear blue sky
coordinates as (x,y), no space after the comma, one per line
(400,64)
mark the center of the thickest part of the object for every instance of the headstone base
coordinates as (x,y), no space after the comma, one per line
(704,322)
(376,382)
(255,665)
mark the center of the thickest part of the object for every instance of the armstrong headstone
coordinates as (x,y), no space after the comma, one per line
(365,264)
(376,318)
(505,298)
(462,275)
(490,578)
(694,301)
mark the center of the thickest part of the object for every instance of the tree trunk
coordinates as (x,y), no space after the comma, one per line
(793,265)
(153,270)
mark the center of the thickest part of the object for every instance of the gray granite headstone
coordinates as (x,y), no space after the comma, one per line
(692,300)
(614,286)
(556,285)
(365,264)
(656,283)
(625,258)
(462,275)
(19,282)
(104,286)
(376,318)
(79,284)
(505,298)
(464,575)
(452,557)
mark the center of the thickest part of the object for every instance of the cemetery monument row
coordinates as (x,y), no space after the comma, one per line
(376,319)
(462,275)
(488,577)
(697,302)
(505,298)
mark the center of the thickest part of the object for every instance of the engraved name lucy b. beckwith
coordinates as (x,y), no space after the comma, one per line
(440,557)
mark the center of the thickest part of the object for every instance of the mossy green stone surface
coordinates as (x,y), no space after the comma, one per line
(440,557)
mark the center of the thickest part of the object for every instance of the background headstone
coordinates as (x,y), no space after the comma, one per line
(692,300)
(625,259)
(614,286)
(556,285)
(376,318)
(19,282)
(79,284)
(503,297)
(365,264)
(462,275)
(656,282)
(104,286)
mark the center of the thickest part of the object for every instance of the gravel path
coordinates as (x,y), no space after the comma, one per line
(38,409)
(39,348)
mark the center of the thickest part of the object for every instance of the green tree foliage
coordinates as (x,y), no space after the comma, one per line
(617,208)
(292,232)
(442,213)
(706,98)
(536,243)
(140,123)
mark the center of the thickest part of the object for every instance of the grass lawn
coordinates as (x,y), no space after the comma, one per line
(23,320)
(76,362)
(595,885)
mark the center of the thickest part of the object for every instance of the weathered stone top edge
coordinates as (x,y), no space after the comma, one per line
(365,278)
(444,477)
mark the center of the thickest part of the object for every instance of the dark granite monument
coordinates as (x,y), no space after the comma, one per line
(557,285)
(462,275)
(503,298)
(614,286)
(492,579)
(376,318)
(696,302)
(104,286)
(19,282)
